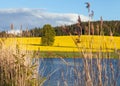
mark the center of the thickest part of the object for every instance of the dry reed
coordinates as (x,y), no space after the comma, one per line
(98,69)
(17,67)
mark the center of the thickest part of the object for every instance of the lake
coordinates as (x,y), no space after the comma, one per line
(71,71)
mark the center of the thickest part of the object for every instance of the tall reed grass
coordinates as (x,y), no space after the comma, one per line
(18,67)
(98,69)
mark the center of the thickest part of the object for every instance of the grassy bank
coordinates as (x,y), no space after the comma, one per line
(57,54)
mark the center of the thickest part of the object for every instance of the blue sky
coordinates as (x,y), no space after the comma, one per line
(109,9)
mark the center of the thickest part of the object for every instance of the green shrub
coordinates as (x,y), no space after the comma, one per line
(48,35)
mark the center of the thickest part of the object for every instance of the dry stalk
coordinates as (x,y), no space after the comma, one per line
(17,69)
(99,67)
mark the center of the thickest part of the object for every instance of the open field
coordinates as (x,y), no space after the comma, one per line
(66,43)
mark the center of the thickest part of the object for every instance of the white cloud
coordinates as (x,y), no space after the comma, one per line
(35,18)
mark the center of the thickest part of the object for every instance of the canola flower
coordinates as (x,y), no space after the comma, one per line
(66,43)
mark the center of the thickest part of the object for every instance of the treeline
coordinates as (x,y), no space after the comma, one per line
(95,29)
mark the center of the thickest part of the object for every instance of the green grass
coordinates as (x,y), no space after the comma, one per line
(56,54)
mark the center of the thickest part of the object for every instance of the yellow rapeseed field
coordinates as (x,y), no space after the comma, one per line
(67,43)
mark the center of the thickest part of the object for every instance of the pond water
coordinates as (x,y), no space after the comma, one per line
(71,72)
